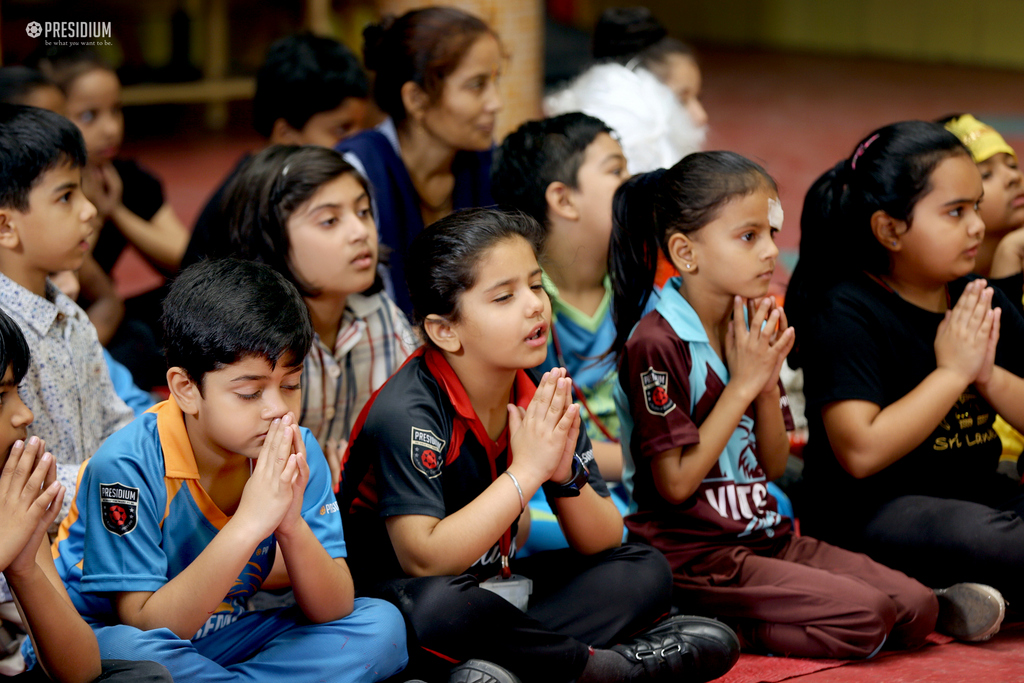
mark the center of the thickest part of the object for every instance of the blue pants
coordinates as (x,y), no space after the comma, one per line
(274,645)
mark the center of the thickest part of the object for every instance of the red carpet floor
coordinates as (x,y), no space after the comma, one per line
(940,661)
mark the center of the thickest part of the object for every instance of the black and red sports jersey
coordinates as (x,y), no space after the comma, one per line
(418,448)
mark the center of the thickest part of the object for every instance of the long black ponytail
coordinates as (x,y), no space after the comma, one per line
(650,208)
(889,170)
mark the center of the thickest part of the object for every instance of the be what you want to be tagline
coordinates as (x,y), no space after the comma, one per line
(70,33)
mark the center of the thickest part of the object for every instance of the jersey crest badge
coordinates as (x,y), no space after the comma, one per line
(120,506)
(656,392)
(427,452)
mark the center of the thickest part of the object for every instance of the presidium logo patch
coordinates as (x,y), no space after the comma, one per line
(656,392)
(427,452)
(120,506)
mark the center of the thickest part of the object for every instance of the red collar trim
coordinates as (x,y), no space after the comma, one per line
(522,389)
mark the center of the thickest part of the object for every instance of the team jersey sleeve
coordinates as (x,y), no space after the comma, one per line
(585,449)
(412,446)
(319,505)
(655,380)
(122,498)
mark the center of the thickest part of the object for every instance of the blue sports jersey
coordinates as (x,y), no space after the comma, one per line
(144,517)
(584,340)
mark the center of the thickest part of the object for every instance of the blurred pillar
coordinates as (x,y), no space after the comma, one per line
(215,61)
(520,23)
(318,18)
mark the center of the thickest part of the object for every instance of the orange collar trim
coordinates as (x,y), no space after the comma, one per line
(179,458)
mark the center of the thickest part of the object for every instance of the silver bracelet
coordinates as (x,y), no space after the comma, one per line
(519,490)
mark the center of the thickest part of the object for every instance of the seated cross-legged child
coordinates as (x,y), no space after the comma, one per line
(216,492)
(908,357)
(45,224)
(306,212)
(30,500)
(563,172)
(441,465)
(703,415)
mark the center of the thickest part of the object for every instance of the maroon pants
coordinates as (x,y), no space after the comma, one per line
(807,599)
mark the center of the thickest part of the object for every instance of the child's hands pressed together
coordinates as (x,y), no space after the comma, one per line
(268,494)
(30,499)
(989,363)
(754,355)
(543,437)
(781,329)
(966,338)
(293,515)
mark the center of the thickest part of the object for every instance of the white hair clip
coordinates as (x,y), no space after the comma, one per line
(775,215)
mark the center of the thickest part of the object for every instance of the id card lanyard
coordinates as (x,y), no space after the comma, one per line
(579,392)
(505,542)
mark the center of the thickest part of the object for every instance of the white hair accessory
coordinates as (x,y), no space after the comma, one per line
(775,214)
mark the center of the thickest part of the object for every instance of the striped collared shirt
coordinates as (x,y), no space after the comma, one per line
(373,341)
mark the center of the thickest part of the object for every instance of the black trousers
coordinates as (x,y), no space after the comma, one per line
(114,671)
(942,541)
(578,601)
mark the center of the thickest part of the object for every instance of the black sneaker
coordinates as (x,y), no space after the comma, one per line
(970,611)
(684,648)
(480,671)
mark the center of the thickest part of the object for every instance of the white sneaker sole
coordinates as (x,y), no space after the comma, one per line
(971,612)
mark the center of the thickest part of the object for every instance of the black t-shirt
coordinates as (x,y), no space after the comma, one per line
(210,233)
(868,344)
(142,195)
(1013,288)
(419,449)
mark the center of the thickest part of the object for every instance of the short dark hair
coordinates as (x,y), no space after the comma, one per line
(302,76)
(448,251)
(14,351)
(633,34)
(423,46)
(220,311)
(32,142)
(18,82)
(266,192)
(539,153)
(63,65)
